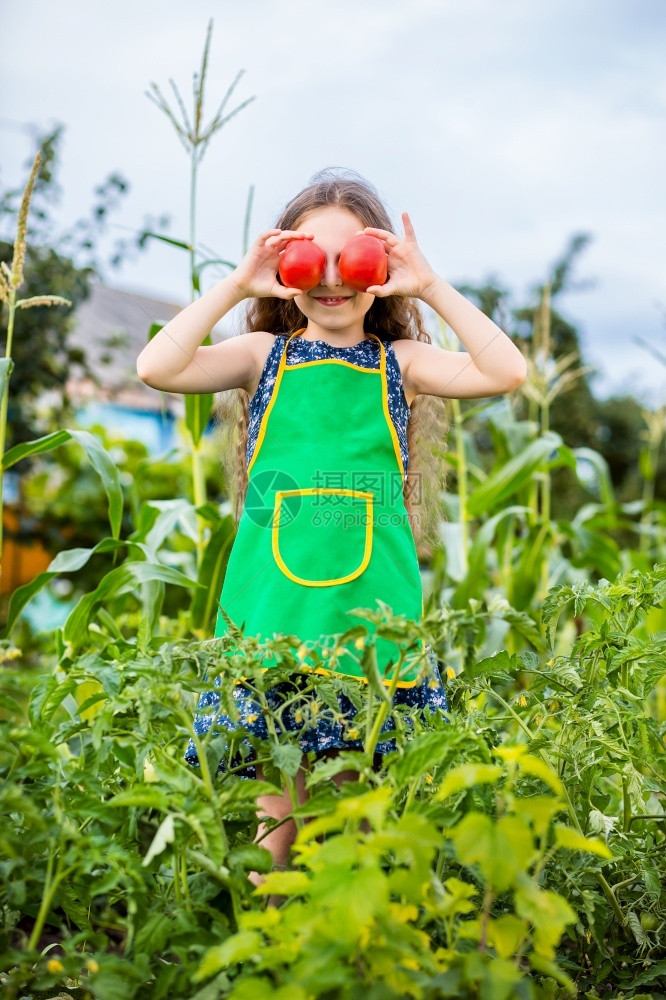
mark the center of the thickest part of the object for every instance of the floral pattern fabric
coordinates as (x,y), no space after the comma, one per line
(429,697)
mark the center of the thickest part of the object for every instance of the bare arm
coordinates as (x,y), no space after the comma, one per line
(492,363)
(174,361)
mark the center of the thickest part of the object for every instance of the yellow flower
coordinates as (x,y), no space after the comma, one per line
(433,683)
(298,716)
(429,779)
(54,966)
(538,719)
(253,717)
(522,700)
(92,965)
(450,673)
(302,652)
(359,643)
(549,663)
(315,707)
(338,651)
(353,733)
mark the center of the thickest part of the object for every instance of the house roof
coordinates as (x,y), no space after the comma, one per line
(111,326)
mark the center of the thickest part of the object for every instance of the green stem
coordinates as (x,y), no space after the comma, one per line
(626,806)
(4,403)
(371,742)
(51,883)
(293,795)
(485,916)
(176,883)
(606,889)
(462,479)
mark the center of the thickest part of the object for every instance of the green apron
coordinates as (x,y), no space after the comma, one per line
(324,528)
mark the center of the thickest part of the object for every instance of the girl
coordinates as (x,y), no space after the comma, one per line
(332,376)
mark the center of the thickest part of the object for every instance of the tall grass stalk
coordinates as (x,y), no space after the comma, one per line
(450,343)
(546,379)
(11,279)
(195,138)
(653,436)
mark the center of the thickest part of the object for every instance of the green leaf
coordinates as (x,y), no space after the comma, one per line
(253,857)
(98,456)
(502,850)
(165,835)
(533,765)
(548,968)
(540,809)
(181,244)
(283,883)
(574,841)
(506,933)
(473,582)
(548,912)
(6,369)
(237,948)
(351,899)
(198,408)
(148,796)
(466,776)
(122,580)
(600,466)
(422,753)
(212,571)
(286,757)
(513,475)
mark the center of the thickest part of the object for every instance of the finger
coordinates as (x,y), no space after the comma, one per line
(287,293)
(379,291)
(286,237)
(382,234)
(264,236)
(409,228)
(390,240)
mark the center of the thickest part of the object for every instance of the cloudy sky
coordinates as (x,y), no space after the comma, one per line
(503,128)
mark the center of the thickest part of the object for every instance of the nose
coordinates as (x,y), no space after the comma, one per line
(331,276)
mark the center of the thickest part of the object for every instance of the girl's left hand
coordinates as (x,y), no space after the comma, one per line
(409,273)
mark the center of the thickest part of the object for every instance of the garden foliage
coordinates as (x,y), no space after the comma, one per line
(515,849)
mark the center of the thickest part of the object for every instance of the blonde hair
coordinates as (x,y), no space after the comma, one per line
(391,318)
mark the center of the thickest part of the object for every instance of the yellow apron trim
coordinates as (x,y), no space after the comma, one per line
(332,361)
(336,673)
(336,361)
(368,497)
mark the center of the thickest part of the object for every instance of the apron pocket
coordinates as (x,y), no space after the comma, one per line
(322,537)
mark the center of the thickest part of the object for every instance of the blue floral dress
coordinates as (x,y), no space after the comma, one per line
(326,733)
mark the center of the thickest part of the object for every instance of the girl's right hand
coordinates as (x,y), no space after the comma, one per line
(256,275)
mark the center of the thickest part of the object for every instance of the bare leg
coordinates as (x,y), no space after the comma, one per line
(278,841)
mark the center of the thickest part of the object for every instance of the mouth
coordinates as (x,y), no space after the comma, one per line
(332,300)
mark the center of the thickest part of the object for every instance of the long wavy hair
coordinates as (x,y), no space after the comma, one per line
(391,318)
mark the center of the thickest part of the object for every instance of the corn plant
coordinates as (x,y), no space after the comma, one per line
(11,279)
(195,137)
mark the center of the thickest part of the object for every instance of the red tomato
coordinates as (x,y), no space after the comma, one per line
(302,265)
(363,262)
